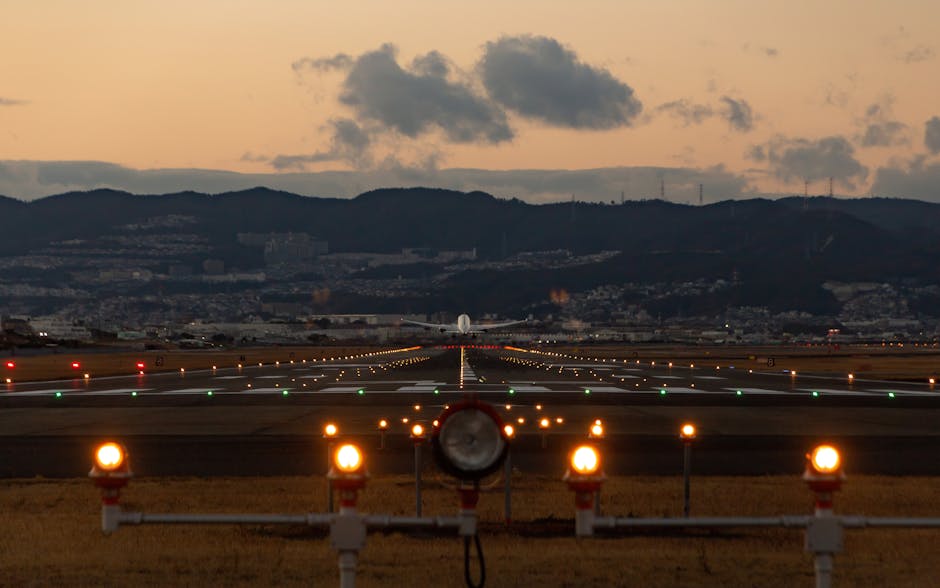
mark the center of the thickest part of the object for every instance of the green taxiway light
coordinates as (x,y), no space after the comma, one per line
(436,391)
(890,394)
(662,392)
(512,390)
(360,391)
(587,390)
(815,394)
(134,393)
(739,393)
(284,393)
(58,395)
(209,393)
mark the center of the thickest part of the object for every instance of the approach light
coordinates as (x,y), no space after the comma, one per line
(417,431)
(470,442)
(687,432)
(11,365)
(140,365)
(347,458)
(383,425)
(596,431)
(330,430)
(76,365)
(585,461)
(544,423)
(825,459)
(109,457)
(509,431)
(932,381)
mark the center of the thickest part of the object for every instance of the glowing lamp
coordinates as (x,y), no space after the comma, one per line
(383,425)
(109,457)
(509,431)
(544,423)
(596,431)
(687,432)
(347,459)
(585,461)
(76,365)
(330,431)
(825,459)
(140,365)
(417,431)
(11,365)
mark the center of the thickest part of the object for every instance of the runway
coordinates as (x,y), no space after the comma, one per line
(266,419)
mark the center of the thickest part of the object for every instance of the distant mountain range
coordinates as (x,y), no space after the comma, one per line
(779,251)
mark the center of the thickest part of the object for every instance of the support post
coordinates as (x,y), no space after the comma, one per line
(418,478)
(329,485)
(686,475)
(507,487)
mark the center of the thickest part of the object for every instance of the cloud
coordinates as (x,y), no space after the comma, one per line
(541,79)
(349,143)
(807,159)
(917,54)
(738,113)
(932,135)
(687,111)
(770,51)
(884,134)
(28,180)
(420,99)
(11,102)
(914,180)
(322,64)
(878,128)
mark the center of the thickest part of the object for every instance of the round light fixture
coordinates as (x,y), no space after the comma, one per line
(470,442)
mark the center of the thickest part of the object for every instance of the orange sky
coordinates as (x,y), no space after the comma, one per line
(199,84)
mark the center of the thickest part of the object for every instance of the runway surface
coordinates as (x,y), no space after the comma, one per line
(266,419)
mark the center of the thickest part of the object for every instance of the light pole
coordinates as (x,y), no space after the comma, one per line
(417,435)
(596,432)
(330,431)
(383,428)
(510,432)
(687,434)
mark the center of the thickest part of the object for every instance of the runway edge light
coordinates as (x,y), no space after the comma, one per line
(584,477)
(110,472)
(824,474)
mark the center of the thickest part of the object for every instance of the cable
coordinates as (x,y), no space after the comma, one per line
(466,562)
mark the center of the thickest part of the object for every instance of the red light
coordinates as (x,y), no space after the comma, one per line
(11,365)
(140,365)
(76,365)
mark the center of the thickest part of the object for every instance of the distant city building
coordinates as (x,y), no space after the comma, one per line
(213,267)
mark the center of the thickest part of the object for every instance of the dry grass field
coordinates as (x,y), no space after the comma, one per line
(51,536)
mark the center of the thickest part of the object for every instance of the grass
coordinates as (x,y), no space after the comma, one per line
(51,535)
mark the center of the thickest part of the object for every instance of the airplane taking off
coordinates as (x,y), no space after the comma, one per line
(463,326)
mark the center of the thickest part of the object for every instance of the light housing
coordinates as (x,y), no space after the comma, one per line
(111,466)
(823,473)
(469,442)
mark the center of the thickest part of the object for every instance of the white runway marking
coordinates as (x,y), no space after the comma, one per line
(529,388)
(342,390)
(270,377)
(833,392)
(709,378)
(424,388)
(666,377)
(312,377)
(39,392)
(603,389)
(905,392)
(228,377)
(681,390)
(625,376)
(115,391)
(759,391)
(188,391)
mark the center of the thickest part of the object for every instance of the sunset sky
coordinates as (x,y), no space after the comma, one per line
(744,97)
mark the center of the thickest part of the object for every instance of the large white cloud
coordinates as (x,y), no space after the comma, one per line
(539,78)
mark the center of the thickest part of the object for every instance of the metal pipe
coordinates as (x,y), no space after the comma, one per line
(140,518)
(823,566)
(347,569)
(886,522)
(780,521)
(387,521)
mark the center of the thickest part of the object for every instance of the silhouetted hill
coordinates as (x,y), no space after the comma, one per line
(779,251)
